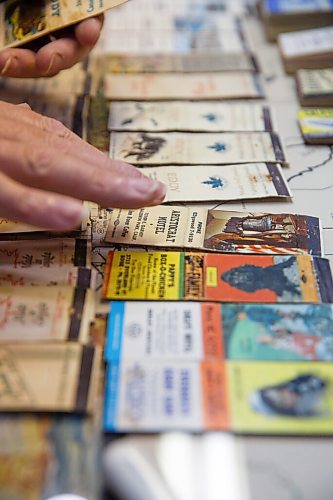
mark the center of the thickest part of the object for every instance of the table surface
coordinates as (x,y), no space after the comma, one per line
(63,453)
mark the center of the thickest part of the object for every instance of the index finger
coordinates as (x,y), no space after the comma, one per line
(18,63)
(66,165)
(66,51)
(88,152)
(88,31)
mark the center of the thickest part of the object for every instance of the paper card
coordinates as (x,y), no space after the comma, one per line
(29,233)
(144,275)
(284,332)
(204,16)
(58,275)
(298,6)
(246,232)
(44,254)
(197,331)
(25,456)
(226,39)
(259,398)
(161,395)
(189,116)
(215,230)
(269,398)
(95,124)
(9,226)
(43,313)
(95,223)
(22,22)
(307,42)
(145,148)
(160,226)
(220,183)
(240,278)
(316,125)
(168,330)
(313,83)
(154,40)
(217,277)
(174,63)
(71,81)
(199,86)
(66,108)
(54,377)
(48,99)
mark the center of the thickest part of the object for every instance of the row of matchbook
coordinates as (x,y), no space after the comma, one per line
(190,317)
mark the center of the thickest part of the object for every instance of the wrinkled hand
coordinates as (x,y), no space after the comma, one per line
(45,170)
(53,57)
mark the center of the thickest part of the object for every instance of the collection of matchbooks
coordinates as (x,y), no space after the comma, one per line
(49,360)
(217,319)
(225,321)
(305,40)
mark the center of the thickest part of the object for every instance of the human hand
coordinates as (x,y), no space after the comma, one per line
(62,53)
(45,170)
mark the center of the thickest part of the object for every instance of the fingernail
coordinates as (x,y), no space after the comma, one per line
(25,105)
(51,66)
(162,190)
(69,213)
(147,186)
(159,200)
(160,197)
(6,66)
